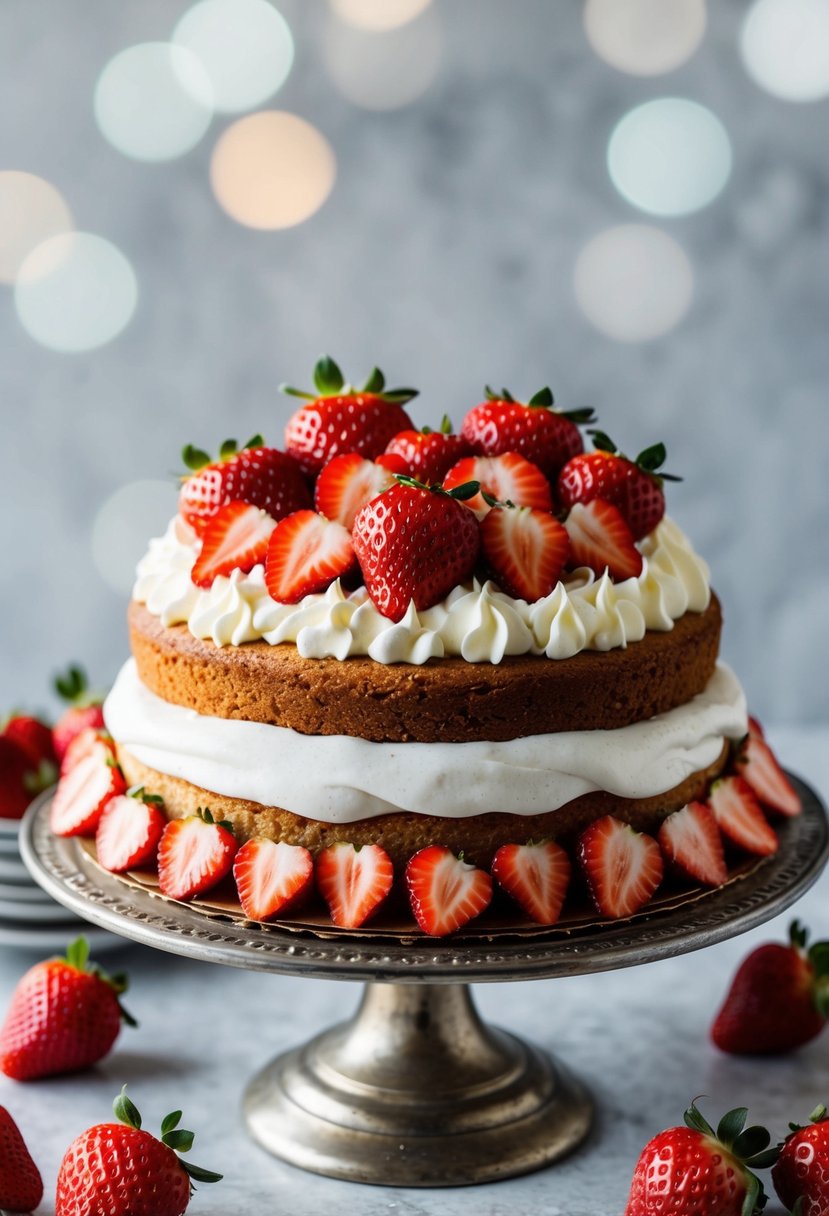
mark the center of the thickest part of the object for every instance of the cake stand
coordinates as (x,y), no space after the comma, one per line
(415,1090)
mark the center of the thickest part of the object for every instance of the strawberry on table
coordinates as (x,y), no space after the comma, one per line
(21,1186)
(129,830)
(17,780)
(255,474)
(756,762)
(84,791)
(84,709)
(445,892)
(235,538)
(194,854)
(306,554)
(536,876)
(600,539)
(634,486)
(507,478)
(740,817)
(545,436)
(801,1173)
(353,882)
(33,736)
(622,867)
(429,455)
(692,844)
(524,549)
(349,481)
(271,877)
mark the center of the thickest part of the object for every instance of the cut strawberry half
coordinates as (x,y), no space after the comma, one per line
(194,855)
(83,793)
(536,876)
(692,843)
(445,892)
(740,817)
(757,764)
(508,478)
(525,550)
(271,876)
(235,538)
(348,482)
(306,553)
(623,868)
(353,882)
(129,830)
(85,744)
(600,539)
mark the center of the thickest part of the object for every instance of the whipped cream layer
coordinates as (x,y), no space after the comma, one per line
(340,779)
(477,622)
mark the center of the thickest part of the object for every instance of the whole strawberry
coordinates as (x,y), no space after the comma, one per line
(633,486)
(118,1169)
(428,454)
(17,780)
(801,1175)
(21,1187)
(340,418)
(778,999)
(255,474)
(33,735)
(64,1015)
(84,709)
(695,1171)
(543,435)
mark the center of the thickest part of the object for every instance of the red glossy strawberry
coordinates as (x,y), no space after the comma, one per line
(21,1186)
(194,854)
(692,844)
(16,777)
(415,544)
(634,486)
(257,475)
(119,1169)
(85,743)
(306,553)
(801,1174)
(33,736)
(755,729)
(339,418)
(525,550)
(740,817)
(84,709)
(349,481)
(508,478)
(64,1015)
(271,877)
(545,436)
(623,868)
(445,892)
(235,538)
(429,455)
(83,793)
(695,1171)
(353,882)
(755,761)
(536,876)
(129,830)
(778,999)
(600,539)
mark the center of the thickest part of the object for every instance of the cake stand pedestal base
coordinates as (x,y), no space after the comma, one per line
(415,1090)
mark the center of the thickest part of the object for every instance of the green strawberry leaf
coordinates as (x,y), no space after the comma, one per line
(77,953)
(651,458)
(255,441)
(732,1124)
(603,442)
(200,1175)
(180,1141)
(171,1121)
(695,1120)
(375,383)
(229,448)
(194,458)
(327,377)
(583,415)
(399,396)
(543,399)
(445,425)
(751,1142)
(126,1111)
(297,392)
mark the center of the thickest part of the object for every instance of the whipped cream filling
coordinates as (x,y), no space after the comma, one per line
(340,779)
(477,622)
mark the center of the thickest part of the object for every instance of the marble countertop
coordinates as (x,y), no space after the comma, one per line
(639,1038)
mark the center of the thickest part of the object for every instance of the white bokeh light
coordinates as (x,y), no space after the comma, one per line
(122,525)
(378,14)
(244,46)
(633,283)
(644,37)
(385,70)
(31,211)
(785,48)
(75,292)
(670,156)
(153,101)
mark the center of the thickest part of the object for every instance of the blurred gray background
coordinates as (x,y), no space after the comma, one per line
(471,148)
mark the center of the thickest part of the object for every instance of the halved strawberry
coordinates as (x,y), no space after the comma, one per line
(271,876)
(507,478)
(740,817)
(348,482)
(429,455)
(235,538)
(622,867)
(194,854)
(600,539)
(83,793)
(353,882)
(536,876)
(445,892)
(691,842)
(306,553)
(757,764)
(129,830)
(525,550)
(84,744)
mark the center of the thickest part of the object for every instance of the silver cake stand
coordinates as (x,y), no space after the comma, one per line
(415,1090)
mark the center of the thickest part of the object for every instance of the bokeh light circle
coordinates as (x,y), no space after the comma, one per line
(633,283)
(31,211)
(75,291)
(669,156)
(785,48)
(272,170)
(122,525)
(383,71)
(153,101)
(378,14)
(644,37)
(244,46)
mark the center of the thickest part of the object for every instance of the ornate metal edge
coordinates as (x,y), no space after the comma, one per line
(63,870)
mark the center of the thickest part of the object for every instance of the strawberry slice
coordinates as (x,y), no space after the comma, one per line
(236,538)
(445,892)
(600,539)
(83,793)
(271,876)
(691,842)
(353,882)
(348,482)
(536,876)
(525,550)
(84,744)
(306,553)
(757,764)
(755,729)
(129,830)
(622,867)
(508,478)
(194,854)
(740,817)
